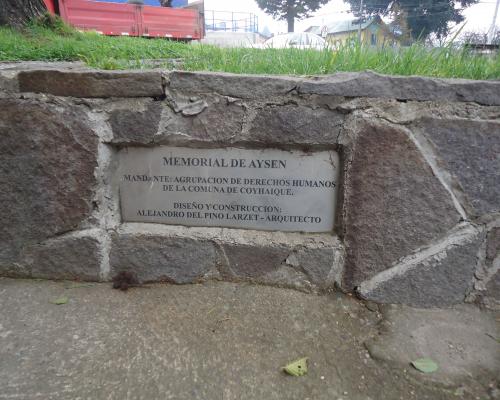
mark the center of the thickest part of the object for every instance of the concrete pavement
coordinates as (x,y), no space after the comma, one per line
(224,341)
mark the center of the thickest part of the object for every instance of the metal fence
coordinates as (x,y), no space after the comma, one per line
(228,21)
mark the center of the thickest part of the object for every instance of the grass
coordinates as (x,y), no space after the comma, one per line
(61,43)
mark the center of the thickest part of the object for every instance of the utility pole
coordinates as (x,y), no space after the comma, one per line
(361,19)
(491,32)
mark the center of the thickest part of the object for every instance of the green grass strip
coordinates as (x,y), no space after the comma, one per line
(65,44)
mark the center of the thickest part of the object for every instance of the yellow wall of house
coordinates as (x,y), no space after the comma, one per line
(340,38)
(383,37)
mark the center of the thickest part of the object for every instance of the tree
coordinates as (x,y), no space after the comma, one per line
(17,13)
(399,26)
(423,16)
(290,9)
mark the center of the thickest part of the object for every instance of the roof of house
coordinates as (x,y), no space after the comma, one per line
(314,29)
(348,25)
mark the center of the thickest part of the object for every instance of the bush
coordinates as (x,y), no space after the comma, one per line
(52,23)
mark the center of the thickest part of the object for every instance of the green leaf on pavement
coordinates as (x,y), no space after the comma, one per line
(297,367)
(60,300)
(425,365)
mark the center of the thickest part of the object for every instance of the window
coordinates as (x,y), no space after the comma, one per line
(373,39)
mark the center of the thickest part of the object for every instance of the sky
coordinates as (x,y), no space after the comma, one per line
(478,17)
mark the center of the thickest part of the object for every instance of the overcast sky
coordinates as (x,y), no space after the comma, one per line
(478,17)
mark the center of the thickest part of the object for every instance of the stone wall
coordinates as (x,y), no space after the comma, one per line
(419,200)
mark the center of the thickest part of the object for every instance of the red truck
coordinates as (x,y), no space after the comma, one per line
(116,19)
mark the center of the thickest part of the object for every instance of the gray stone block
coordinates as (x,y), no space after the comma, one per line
(371,84)
(135,121)
(210,119)
(48,155)
(440,277)
(75,257)
(323,266)
(492,263)
(393,202)
(292,124)
(248,261)
(9,71)
(8,81)
(493,245)
(218,120)
(348,84)
(161,255)
(72,257)
(80,82)
(469,151)
(92,83)
(493,287)
(234,85)
(291,259)
(185,255)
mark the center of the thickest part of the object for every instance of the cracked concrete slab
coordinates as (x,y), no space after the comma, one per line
(207,341)
(463,341)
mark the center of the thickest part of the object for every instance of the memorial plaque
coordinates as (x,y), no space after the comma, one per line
(264,189)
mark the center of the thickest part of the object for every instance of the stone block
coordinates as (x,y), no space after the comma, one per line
(292,124)
(234,85)
(493,245)
(185,255)
(323,266)
(135,121)
(209,118)
(469,151)
(248,261)
(8,81)
(160,254)
(491,294)
(393,202)
(72,257)
(371,84)
(92,83)
(493,287)
(437,277)
(48,155)
(348,84)
(286,259)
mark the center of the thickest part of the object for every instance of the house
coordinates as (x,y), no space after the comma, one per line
(374,32)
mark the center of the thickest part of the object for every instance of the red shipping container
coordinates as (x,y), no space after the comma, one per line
(130,19)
